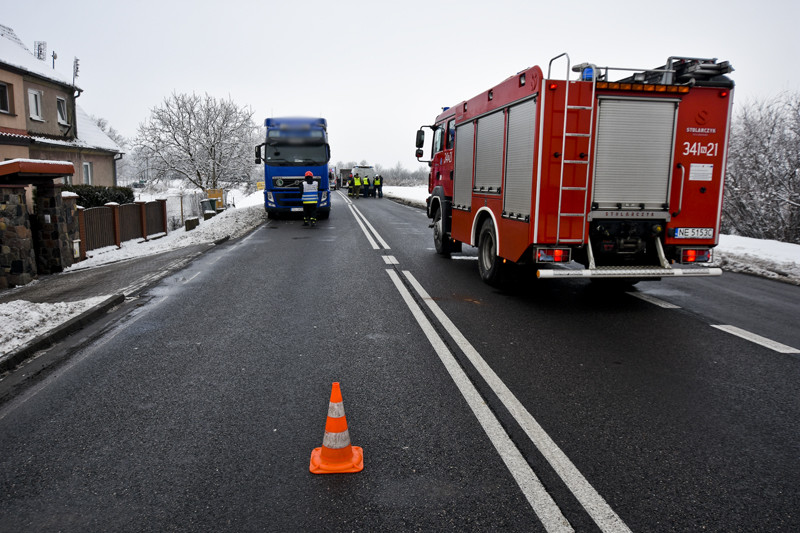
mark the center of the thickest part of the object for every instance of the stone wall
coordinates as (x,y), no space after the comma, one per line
(50,231)
(17,257)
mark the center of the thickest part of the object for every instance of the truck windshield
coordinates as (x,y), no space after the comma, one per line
(296,155)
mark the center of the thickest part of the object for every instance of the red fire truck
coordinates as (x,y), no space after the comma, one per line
(622,177)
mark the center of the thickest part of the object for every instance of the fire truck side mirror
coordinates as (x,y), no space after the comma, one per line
(420,140)
(258,154)
(419,153)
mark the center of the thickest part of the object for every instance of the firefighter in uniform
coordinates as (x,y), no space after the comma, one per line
(309,189)
(379,185)
(356,185)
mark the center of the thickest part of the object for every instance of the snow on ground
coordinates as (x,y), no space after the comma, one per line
(21,321)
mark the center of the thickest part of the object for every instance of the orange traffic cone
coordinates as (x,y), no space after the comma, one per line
(336,456)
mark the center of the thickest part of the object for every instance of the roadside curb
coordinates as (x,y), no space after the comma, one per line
(11,360)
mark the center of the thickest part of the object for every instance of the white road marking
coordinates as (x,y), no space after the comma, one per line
(363,228)
(390,260)
(758,339)
(374,231)
(653,300)
(465,257)
(602,513)
(533,490)
(190,279)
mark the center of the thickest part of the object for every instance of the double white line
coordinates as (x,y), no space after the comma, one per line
(541,502)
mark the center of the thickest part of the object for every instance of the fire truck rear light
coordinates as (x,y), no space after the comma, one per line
(689,255)
(602,85)
(723,94)
(552,86)
(552,255)
(683,89)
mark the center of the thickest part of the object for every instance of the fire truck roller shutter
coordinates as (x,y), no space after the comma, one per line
(519,159)
(462,186)
(489,152)
(635,140)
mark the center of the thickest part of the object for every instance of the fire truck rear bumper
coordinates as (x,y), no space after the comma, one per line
(629,272)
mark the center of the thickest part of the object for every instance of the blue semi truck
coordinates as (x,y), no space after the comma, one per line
(294,146)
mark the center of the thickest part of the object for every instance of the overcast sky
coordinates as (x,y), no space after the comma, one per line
(378,70)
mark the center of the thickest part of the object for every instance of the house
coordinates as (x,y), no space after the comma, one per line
(40,119)
(46,140)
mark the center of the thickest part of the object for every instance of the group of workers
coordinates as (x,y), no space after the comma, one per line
(309,191)
(365,186)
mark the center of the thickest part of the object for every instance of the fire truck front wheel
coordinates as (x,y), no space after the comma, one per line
(490,265)
(444,245)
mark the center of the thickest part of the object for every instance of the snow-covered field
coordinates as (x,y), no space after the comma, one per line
(21,321)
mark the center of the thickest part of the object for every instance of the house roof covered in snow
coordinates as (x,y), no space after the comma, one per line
(15,54)
(89,135)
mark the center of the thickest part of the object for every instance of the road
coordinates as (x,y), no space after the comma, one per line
(543,406)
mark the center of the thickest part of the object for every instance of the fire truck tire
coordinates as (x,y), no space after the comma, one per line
(490,265)
(444,246)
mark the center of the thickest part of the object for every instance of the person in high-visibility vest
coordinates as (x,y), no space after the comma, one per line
(379,185)
(309,189)
(356,185)
(365,186)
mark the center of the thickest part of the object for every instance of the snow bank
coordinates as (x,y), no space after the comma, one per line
(768,259)
(21,321)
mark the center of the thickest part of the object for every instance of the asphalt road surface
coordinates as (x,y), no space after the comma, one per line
(542,406)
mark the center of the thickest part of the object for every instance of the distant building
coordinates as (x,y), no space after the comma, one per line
(39,117)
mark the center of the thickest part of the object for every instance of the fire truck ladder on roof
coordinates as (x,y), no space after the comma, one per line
(573,109)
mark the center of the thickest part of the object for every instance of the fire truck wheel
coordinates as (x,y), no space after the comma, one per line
(490,265)
(444,246)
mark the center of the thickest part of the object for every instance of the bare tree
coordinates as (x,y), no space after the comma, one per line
(762,194)
(201,140)
(125,170)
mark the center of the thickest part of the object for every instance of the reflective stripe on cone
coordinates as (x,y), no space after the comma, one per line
(336,455)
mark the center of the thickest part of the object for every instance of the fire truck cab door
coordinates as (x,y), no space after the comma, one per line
(634,152)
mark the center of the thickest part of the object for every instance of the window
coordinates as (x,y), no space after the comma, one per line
(5,98)
(451,134)
(438,139)
(61,105)
(35,103)
(87,173)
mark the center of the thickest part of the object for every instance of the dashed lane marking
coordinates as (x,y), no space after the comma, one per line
(653,300)
(758,339)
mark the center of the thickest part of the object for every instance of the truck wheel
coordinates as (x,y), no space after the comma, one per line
(490,265)
(440,240)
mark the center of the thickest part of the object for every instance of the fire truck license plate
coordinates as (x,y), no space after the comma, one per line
(297,209)
(694,233)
